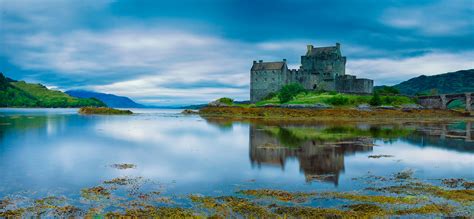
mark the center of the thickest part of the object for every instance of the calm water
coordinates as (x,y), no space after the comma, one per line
(58,152)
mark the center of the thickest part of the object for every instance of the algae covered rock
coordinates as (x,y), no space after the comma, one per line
(103,111)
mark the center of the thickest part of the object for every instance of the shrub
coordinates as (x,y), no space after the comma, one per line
(387,90)
(269,96)
(332,93)
(226,100)
(375,100)
(338,100)
(288,92)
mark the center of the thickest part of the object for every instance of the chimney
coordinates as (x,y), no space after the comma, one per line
(284,60)
(338,45)
(260,61)
(254,62)
(310,48)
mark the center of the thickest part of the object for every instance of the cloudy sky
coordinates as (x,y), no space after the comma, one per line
(186,52)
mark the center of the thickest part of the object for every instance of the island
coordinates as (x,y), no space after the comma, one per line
(103,111)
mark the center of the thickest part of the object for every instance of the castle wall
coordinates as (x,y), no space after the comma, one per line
(264,82)
(322,68)
(351,84)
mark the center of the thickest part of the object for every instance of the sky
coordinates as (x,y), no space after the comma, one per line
(189,52)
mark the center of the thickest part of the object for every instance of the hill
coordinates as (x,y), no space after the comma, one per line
(21,94)
(109,99)
(452,82)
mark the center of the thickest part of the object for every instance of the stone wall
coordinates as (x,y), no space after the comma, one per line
(264,82)
(352,84)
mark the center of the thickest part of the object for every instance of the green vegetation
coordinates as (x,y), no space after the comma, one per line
(295,136)
(453,82)
(226,100)
(375,100)
(22,94)
(338,99)
(386,90)
(103,111)
(288,92)
(124,197)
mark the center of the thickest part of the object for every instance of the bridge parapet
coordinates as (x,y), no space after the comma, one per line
(442,101)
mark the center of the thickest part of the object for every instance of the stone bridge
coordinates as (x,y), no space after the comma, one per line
(442,101)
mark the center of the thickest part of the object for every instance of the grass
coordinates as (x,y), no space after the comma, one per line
(103,111)
(39,95)
(338,99)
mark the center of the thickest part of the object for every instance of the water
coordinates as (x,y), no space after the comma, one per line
(46,152)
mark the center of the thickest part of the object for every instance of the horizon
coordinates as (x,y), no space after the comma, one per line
(185,53)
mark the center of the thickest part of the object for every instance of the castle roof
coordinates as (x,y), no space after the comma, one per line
(257,66)
(322,51)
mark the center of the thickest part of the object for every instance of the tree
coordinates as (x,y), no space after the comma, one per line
(375,100)
(288,92)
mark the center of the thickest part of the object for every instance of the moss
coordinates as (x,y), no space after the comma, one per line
(160,212)
(367,209)
(373,198)
(310,212)
(103,111)
(405,174)
(277,194)
(427,209)
(16,213)
(464,196)
(95,193)
(246,208)
(41,206)
(67,211)
(123,166)
(218,209)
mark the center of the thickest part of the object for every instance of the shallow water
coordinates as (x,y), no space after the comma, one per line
(46,152)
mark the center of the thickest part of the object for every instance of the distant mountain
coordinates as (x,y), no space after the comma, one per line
(109,99)
(452,82)
(21,94)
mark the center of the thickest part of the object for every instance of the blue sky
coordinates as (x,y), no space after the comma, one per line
(185,52)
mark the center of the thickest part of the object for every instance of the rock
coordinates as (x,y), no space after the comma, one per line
(364,107)
(387,107)
(412,107)
(269,105)
(306,106)
(217,103)
(188,111)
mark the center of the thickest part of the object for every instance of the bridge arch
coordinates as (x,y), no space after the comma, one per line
(442,101)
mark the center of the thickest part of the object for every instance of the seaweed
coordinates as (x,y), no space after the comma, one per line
(123,166)
(277,194)
(95,193)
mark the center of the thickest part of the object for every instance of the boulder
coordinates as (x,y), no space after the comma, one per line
(412,107)
(306,106)
(188,111)
(364,107)
(387,107)
(217,103)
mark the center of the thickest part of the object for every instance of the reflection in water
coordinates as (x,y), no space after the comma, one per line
(60,152)
(318,159)
(456,136)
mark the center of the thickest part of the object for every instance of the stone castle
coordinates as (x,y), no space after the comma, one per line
(322,68)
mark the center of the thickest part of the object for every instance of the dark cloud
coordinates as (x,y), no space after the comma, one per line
(204,47)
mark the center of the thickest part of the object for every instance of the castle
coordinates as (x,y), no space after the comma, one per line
(322,68)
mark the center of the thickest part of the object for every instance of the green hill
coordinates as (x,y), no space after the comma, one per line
(453,82)
(21,94)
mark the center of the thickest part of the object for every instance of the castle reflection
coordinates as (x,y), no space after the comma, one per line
(320,157)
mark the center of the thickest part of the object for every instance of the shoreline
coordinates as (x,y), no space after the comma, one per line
(338,114)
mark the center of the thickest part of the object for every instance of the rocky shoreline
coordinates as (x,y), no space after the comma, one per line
(320,112)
